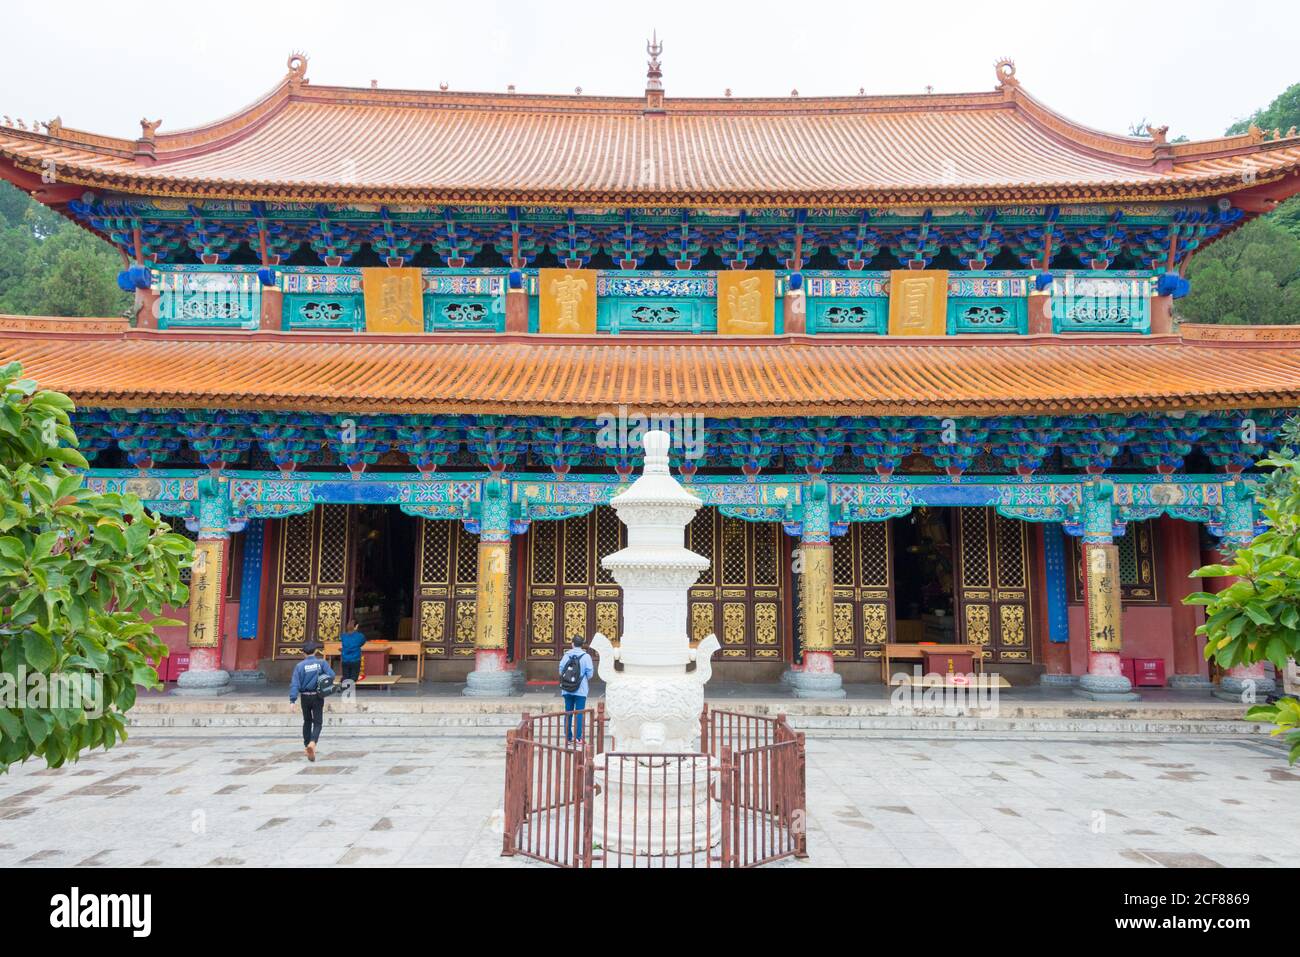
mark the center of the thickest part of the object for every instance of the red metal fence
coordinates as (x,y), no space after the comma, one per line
(738,802)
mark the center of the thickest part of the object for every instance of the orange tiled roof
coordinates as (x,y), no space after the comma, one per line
(335,143)
(582,377)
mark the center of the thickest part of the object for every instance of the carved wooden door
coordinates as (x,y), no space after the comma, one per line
(446,582)
(568,592)
(993,584)
(313,577)
(862,617)
(739,598)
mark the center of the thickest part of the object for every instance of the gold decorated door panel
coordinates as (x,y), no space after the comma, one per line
(739,598)
(568,593)
(993,585)
(446,583)
(313,577)
(861,615)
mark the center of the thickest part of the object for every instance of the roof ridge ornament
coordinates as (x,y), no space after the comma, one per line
(297,64)
(654,76)
(1005,68)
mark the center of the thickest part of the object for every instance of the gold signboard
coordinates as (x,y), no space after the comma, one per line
(206,579)
(394,299)
(818,598)
(567,301)
(493,590)
(747,303)
(1104,597)
(918,302)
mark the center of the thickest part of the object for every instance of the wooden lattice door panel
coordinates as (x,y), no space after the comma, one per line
(313,577)
(993,584)
(862,614)
(568,593)
(739,597)
(446,583)
(1139,583)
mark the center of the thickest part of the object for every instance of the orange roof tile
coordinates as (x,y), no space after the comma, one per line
(793,375)
(336,143)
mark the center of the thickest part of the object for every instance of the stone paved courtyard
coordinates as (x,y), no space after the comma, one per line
(405,796)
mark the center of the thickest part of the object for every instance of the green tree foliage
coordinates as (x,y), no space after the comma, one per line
(1251,277)
(1282,114)
(1257,617)
(52,267)
(79,573)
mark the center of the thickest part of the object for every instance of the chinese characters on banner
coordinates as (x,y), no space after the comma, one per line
(1104,597)
(567,301)
(205,593)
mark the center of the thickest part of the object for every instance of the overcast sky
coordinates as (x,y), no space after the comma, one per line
(1196,65)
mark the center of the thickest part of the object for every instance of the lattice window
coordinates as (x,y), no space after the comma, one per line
(1011,552)
(873,554)
(544,541)
(766,561)
(700,540)
(974,548)
(466,557)
(575,551)
(608,539)
(842,560)
(434,560)
(295,568)
(333,544)
(733,551)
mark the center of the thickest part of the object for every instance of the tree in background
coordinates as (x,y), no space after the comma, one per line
(49,266)
(1257,617)
(79,571)
(1253,275)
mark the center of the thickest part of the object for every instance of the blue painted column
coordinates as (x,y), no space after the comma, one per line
(250,582)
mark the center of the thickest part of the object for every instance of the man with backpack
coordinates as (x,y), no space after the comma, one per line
(575,669)
(312,680)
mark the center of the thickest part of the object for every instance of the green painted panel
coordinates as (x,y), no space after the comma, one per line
(834,315)
(464,313)
(636,314)
(324,311)
(988,314)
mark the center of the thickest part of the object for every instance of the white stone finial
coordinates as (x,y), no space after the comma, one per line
(656,451)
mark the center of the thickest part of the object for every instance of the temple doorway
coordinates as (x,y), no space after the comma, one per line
(924,599)
(382,599)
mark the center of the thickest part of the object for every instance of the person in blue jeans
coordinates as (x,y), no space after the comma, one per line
(575,669)
(351,641)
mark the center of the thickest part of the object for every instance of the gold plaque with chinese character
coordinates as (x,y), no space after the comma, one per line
(207,582)
(918,302)
(394,299)
(747,303)
(1104,597)
(567,301)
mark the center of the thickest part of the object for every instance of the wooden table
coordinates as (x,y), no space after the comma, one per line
(916,652)
(396,649)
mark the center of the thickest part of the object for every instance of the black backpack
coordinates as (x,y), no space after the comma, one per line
(571,674)
(325,685)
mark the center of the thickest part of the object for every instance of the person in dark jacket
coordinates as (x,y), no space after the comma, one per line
(351,641)
(575,700)
(304,685)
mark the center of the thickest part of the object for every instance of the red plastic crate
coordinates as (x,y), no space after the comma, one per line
(177,665)
(1149,672)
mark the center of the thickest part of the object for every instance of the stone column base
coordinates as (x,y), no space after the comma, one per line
(1191,683)
(807,684)
(1058,681)
(203,684)
(1231,688)
(1106,688)
(494,684)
